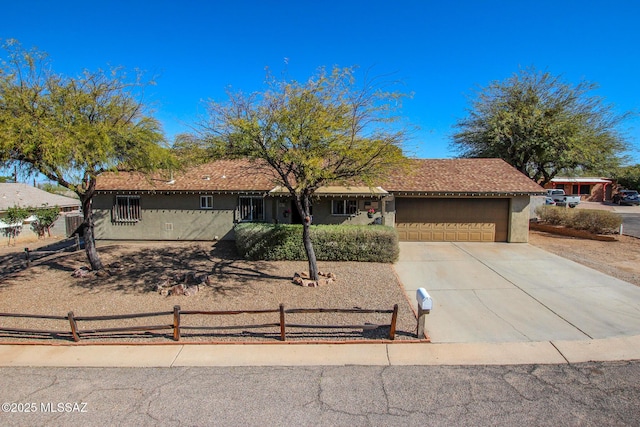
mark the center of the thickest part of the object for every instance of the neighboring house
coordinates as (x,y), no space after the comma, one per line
(24,195)
(436,200)
(590,189)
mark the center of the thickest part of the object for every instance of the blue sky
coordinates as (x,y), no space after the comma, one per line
(441,50)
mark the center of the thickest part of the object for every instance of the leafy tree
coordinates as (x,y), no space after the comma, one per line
(309,134)
(628,177)
(542,126)
(45,217)
(4,179)
(14,218)
(72,129)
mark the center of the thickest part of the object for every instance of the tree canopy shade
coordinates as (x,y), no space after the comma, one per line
(72,129)
(542,126)
(328,129)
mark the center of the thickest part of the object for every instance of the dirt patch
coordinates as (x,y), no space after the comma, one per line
(48,288)
(619,258)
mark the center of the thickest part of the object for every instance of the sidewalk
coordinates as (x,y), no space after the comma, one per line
(172,355)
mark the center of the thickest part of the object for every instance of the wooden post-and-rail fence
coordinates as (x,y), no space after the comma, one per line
(31,256)
(176,326)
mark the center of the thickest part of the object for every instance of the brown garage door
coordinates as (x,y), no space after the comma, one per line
(440,219)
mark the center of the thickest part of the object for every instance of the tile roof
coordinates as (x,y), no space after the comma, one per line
(423,176)
(221,175)
(24,195)
(460,176)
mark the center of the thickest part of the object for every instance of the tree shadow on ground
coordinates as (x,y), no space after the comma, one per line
(228,265)
(11,263)
(16,262)
(144,269)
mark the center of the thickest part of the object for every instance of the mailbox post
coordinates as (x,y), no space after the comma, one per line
(425,304)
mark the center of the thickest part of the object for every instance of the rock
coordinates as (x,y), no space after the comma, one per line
(81,272)
(191,290)
(163,288)
(103,273)
(203,280)
(176,290)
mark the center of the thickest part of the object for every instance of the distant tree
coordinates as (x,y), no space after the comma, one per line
(72,129)
(628,177)
(542,126)
(323,131)
(14,218)
(53,188)
(45,218)
(190,151)
(4,179)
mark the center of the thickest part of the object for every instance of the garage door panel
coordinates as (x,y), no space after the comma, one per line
(446,232)
(441,219)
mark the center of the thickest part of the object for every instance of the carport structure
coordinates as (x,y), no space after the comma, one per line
(470,200)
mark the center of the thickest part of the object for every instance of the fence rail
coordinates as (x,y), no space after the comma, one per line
(176,326)
(37,254)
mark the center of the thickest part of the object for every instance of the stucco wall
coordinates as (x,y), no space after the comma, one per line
(322,211)
(171,217)
(519,212)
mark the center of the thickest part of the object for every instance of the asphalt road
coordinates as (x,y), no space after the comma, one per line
(631,224)
(592,394)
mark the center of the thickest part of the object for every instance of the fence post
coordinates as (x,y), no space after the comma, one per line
(74,327)
(176,323)
(27,257)
(394,318)
(282,324)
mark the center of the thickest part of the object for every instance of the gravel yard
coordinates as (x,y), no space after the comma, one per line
(47,287)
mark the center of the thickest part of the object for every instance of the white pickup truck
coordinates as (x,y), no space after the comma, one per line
(562,199)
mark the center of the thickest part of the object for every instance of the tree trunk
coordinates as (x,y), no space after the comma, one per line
(303,205)
(89,240)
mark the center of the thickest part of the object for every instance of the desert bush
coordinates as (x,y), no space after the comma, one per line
(553,215)
(594,221)
(368,243)
(598,222)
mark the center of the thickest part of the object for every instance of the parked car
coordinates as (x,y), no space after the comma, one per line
(549,201)
(627,197)
(562,199)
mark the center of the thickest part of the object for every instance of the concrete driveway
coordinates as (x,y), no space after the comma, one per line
(500,292)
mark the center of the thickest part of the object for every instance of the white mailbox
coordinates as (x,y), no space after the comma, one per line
(424,299)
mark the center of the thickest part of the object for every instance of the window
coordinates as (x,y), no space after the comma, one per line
(126,209)
(251,209)
(344,207)
(585,189)
(206,202)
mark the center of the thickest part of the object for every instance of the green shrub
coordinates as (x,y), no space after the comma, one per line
(594,221)
(368,243)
